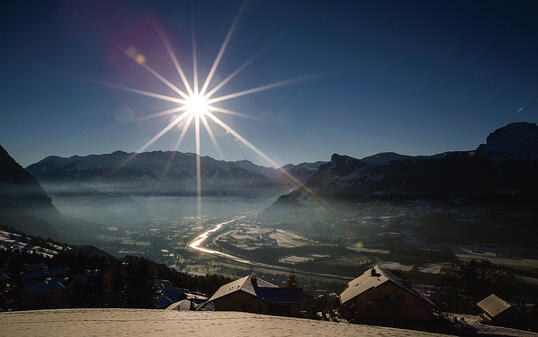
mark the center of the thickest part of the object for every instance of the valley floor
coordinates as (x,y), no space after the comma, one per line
(149,323)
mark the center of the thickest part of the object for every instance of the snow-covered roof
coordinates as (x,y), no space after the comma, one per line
(183,305)
(373,278)
(243,284)
(168,296)
(493,305)
(264,290)
(3,277)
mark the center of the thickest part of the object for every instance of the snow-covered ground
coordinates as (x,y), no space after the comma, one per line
(12,241)
(294,259)
(150,323)
(491,330)
(288,239)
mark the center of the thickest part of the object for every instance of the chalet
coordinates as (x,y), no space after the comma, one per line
(252,294)
(494,310)
(378,295)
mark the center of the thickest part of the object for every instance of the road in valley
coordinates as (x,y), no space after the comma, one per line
(196,244)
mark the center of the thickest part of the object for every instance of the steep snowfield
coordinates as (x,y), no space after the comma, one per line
(157,323)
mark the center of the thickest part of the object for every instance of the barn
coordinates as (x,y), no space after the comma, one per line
(378,295)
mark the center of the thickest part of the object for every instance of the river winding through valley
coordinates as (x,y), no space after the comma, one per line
(196,244)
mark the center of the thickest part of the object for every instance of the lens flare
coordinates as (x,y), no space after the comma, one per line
(198,105)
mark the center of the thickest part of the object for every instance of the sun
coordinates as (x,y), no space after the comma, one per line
(196,106)
(195,102)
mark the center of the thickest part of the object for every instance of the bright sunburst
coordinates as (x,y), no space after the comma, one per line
(197,104)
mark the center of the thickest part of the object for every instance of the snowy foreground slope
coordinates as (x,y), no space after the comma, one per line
(149,323)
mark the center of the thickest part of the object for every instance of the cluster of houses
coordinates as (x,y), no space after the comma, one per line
(172,298)
(375,296)
(13,241)
(42,286)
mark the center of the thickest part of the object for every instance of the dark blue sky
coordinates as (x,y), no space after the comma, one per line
(403,76)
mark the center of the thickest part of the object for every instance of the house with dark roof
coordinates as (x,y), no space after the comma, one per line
(252,294)
(4,277)
(48,293)
(168,296)
(35,266)
(495,310)
(161,283)
(35,275)
(378,295)
(60,271)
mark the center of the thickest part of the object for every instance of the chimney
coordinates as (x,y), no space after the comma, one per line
(254,280)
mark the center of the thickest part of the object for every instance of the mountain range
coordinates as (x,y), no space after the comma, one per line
(163,173)
(503,168)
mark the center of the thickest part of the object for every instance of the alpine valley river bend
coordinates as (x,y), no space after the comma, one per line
(196,244)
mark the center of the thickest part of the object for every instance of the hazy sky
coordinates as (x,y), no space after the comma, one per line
(403,76)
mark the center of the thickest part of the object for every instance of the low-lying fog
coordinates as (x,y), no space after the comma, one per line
(139,211)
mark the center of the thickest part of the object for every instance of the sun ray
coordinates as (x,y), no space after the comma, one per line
(186,124)
(159,77)
(222,49)
(183,132)
(147,93)
(162,113)
(229,77)
(228,112)
(194,58)
(255,149)
(176,63)
(211,136)
(198,169)
(258,89)
(195,103)
(149,142)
